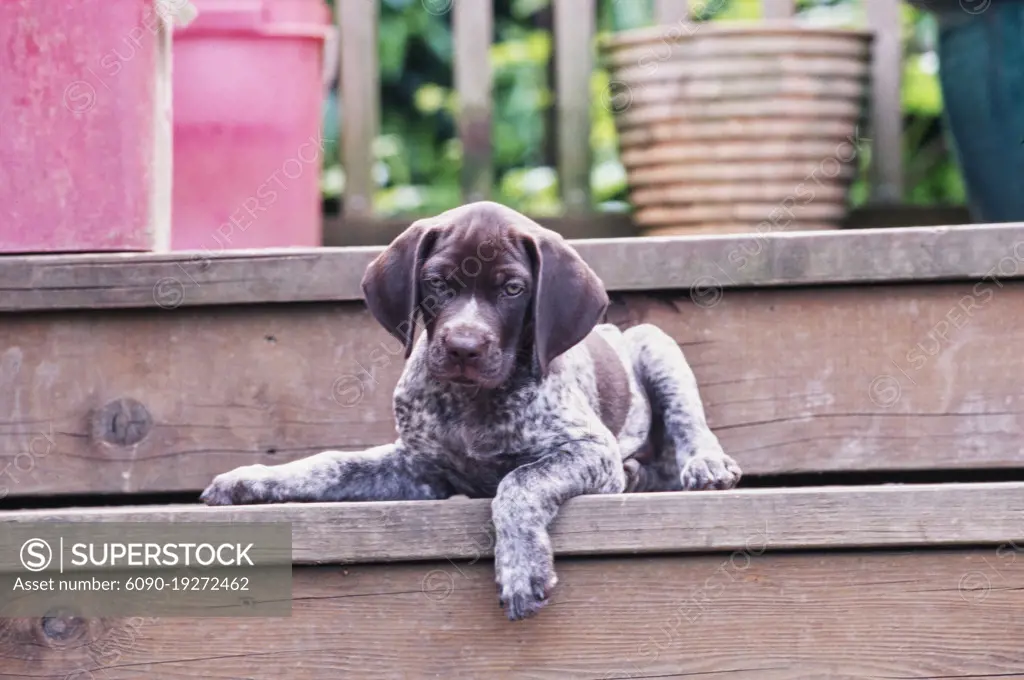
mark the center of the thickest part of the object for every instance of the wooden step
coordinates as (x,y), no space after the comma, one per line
(815,518)
(878,351)
(768,257)
(856,582)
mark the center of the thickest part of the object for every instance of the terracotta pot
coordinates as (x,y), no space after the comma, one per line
(734,127)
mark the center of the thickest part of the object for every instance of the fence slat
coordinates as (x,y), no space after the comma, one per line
(472,28)
(575,27)
(778,9)
(671,11)
(359,101)
(886,171)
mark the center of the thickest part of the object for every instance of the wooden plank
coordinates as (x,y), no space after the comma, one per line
(874,379)
(794,380)
(181,279)
(844,616)
(886,172)
(575,27)
(831,518)
(778,9)
(472,29)
(359,106)
(672,11)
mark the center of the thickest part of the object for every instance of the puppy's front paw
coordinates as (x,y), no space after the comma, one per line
(710,470)
(246,485)
(525,573)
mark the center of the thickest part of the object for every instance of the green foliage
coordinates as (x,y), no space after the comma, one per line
(418,155)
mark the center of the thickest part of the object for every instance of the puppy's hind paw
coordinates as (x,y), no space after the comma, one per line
(710,471)
(249,485)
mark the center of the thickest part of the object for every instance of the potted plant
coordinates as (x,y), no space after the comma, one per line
(731,127)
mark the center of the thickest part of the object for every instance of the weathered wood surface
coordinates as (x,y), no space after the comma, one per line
(771,258)
(835,616)
(794,380)
(885,516)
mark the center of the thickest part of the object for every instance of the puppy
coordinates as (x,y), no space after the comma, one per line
(515,391)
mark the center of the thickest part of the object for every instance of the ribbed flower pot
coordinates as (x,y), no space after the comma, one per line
(737,127)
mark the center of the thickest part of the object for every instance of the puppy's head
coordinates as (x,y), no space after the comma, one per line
(493,288)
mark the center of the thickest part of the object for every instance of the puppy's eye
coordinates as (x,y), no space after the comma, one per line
(513,288)
(435,282)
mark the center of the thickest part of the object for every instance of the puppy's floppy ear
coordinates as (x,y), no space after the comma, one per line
(391,282)
(568,297)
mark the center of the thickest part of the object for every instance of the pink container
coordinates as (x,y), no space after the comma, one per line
(84,126)
(248,96)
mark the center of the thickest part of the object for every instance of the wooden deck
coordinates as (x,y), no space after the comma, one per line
(870,351)
(864,379)
(841,369)
(915,582)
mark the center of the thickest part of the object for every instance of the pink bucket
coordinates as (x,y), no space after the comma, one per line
(84,126)
(248,95)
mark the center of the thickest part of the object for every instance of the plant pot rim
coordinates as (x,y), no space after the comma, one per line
(639,36)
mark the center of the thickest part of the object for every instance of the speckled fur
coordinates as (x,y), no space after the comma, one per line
(531,443)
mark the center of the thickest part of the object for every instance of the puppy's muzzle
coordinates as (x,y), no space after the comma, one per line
(466,346)
(467,349)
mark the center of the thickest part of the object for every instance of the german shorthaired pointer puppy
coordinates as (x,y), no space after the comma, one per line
(516,392)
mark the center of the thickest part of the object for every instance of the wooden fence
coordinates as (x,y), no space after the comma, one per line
(574,32)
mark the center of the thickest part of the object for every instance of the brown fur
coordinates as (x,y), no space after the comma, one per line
(612,382)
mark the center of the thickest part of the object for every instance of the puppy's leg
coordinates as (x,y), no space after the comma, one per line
(383,473)
(667,377)
(527,499)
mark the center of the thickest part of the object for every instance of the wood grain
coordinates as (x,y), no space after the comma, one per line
(794,380)
(750,520)
(843,616)
(188,279)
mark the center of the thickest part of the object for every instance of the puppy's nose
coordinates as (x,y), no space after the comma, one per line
(465,345)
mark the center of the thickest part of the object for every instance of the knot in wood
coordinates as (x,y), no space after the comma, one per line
(61,626)
(124,422)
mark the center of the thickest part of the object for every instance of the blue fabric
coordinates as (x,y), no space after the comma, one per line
(981,70)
